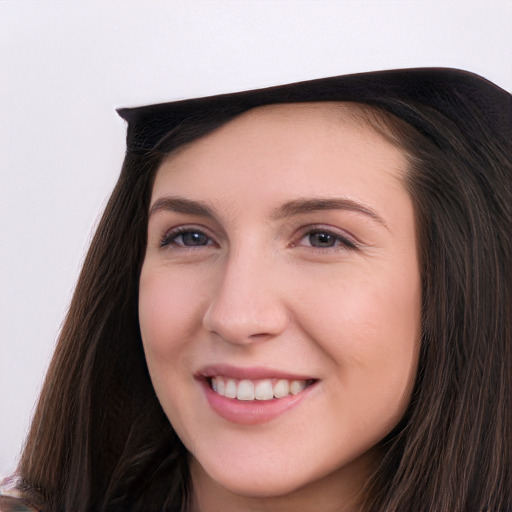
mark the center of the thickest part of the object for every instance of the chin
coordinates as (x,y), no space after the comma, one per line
(256,487)
(254,481)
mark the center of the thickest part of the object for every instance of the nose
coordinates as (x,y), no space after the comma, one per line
(247,305)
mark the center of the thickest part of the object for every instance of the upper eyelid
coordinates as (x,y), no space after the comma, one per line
(188,226)
(300,232)
(343,242)
(160,221)
(336,231)
(185,228)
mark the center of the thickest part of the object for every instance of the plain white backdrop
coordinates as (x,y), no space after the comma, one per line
(66,65)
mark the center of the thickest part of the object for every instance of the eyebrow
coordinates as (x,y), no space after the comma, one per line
(288,209)
(305,205)
(181,205)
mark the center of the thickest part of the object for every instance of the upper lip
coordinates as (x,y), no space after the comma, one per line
(250,373)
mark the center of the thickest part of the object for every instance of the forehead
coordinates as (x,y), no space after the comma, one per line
(313,120)
(287,132)
(282,153)
(317,116)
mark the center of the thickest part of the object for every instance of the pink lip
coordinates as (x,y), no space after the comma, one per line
(251,373)
(249,412)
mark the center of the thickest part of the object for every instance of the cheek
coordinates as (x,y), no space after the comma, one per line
(367,310)
(369,327)
(169,317)
(168,312)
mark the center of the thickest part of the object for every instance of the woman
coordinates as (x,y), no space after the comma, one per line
(298,298)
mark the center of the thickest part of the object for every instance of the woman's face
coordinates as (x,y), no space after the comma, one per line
(282,261)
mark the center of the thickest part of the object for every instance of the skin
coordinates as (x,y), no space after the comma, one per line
(262,291)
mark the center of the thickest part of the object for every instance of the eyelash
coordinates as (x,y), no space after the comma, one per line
(170,239)
(343,242)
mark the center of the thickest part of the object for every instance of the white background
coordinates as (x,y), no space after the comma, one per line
(65,66)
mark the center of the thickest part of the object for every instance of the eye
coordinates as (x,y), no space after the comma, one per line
(325,239)
(321,239)
(186,237)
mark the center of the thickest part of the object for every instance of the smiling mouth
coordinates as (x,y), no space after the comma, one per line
(261,389)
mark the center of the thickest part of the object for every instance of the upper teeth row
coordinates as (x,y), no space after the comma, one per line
(260,389)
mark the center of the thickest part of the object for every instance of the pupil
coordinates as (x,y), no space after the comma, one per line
(321,240)
(194,238)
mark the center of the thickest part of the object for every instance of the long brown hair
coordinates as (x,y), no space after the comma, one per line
(100,441)
(452,450)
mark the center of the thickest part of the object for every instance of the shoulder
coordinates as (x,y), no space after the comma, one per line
(11,499)
(13,504)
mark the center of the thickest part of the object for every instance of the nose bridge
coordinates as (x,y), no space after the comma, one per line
(247,303)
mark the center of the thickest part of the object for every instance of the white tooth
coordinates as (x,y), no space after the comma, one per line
(281,388)
(230,390)
(245,390)
(296,386)
(263,390)
(221,387)
(214,383)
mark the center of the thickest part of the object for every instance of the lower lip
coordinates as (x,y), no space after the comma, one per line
(251,412)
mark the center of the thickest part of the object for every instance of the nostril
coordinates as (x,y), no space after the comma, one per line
(247,305)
